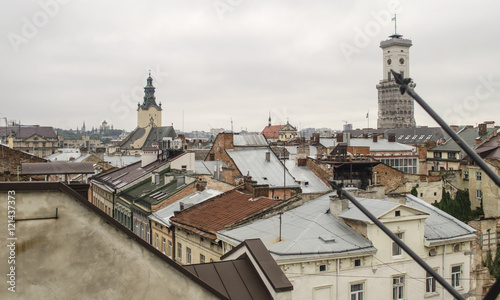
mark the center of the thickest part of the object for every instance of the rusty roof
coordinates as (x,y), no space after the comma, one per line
(54,168)
(222,210)
(271,131)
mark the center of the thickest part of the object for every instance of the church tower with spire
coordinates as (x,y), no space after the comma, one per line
(395,110)
(149,113)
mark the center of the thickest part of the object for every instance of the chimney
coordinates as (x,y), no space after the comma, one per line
(149,155)
(454,127)
(375,138)
(268,156)
(482,129)
(260,190)
(478,141)
(201,185)
(302,162)
(338,205)
(391,138)
(340,137)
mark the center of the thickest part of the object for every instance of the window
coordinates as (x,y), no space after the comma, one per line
(466,175)
(357,291)
(456,273)
(179,250)
(163,245)
(452,155)
(478,194)
(398,286)
(170,249)
(202,258)
(396,250)
(156,240)
(437,154)
(397,213)
(478,176)
(357,262)
(430,283)
(456,248)
(322,268)
(188,255)
(184,167)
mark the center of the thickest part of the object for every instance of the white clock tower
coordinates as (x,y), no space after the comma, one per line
(395,110)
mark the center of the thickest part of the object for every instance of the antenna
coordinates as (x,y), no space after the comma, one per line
(231,124)
(395,25)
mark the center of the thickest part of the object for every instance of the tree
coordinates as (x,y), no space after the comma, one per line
(414,191)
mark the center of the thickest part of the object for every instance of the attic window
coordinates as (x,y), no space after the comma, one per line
(397,213)
(265,178)
(322,268)
(456,248)
(327,239)
(357,262)
(306,183)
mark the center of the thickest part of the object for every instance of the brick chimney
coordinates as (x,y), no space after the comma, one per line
(302,162)
(375,138)
(391,138)
(340,137)
(260,190)
(482,129)
(201,185)
(338,205)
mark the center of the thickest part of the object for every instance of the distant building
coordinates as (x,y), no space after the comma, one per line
(38,140)
(395,110)
(149,126)
(347,126)
(279,133)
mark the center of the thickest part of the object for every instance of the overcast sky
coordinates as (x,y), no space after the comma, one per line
(316,63)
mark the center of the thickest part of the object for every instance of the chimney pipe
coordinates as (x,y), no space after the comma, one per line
(338,205)
(268,156)
(482,129)
(375,138)
(391,138)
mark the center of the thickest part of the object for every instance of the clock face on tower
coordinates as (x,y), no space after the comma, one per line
(389,61)
(401,60)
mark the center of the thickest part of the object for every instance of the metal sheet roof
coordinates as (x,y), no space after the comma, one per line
(438,226)
(469,136)
(309,182)
(380,145)
(255,140)
(55,168)
(163,215)
(253,161)
(308,230)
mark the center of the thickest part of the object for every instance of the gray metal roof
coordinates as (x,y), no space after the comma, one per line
(438,226)
(26,131)
(55,168)
(308,230)
(207,167)
(163,215)
(380,145)
(253,161)
(309,182)
(255,140)
(417,135)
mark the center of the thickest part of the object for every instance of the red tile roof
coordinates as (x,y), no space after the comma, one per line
(220,211)
(271,131)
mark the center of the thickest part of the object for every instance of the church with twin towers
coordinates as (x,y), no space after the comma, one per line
(395,110)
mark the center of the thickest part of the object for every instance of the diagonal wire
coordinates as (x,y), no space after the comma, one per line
(495,289)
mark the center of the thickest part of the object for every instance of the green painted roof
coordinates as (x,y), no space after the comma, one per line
(468,135)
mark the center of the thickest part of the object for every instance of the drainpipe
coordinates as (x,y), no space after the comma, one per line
(113,201)
(174,248)
(444,254)
(338,276)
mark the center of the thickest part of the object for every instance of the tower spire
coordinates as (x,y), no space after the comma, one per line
(269,119)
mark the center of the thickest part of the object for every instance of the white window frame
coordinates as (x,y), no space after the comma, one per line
(163,242)
(398,287)
(188,255)
(397,251)
(430,283)
(456,277)
(478,176)
(358,294)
